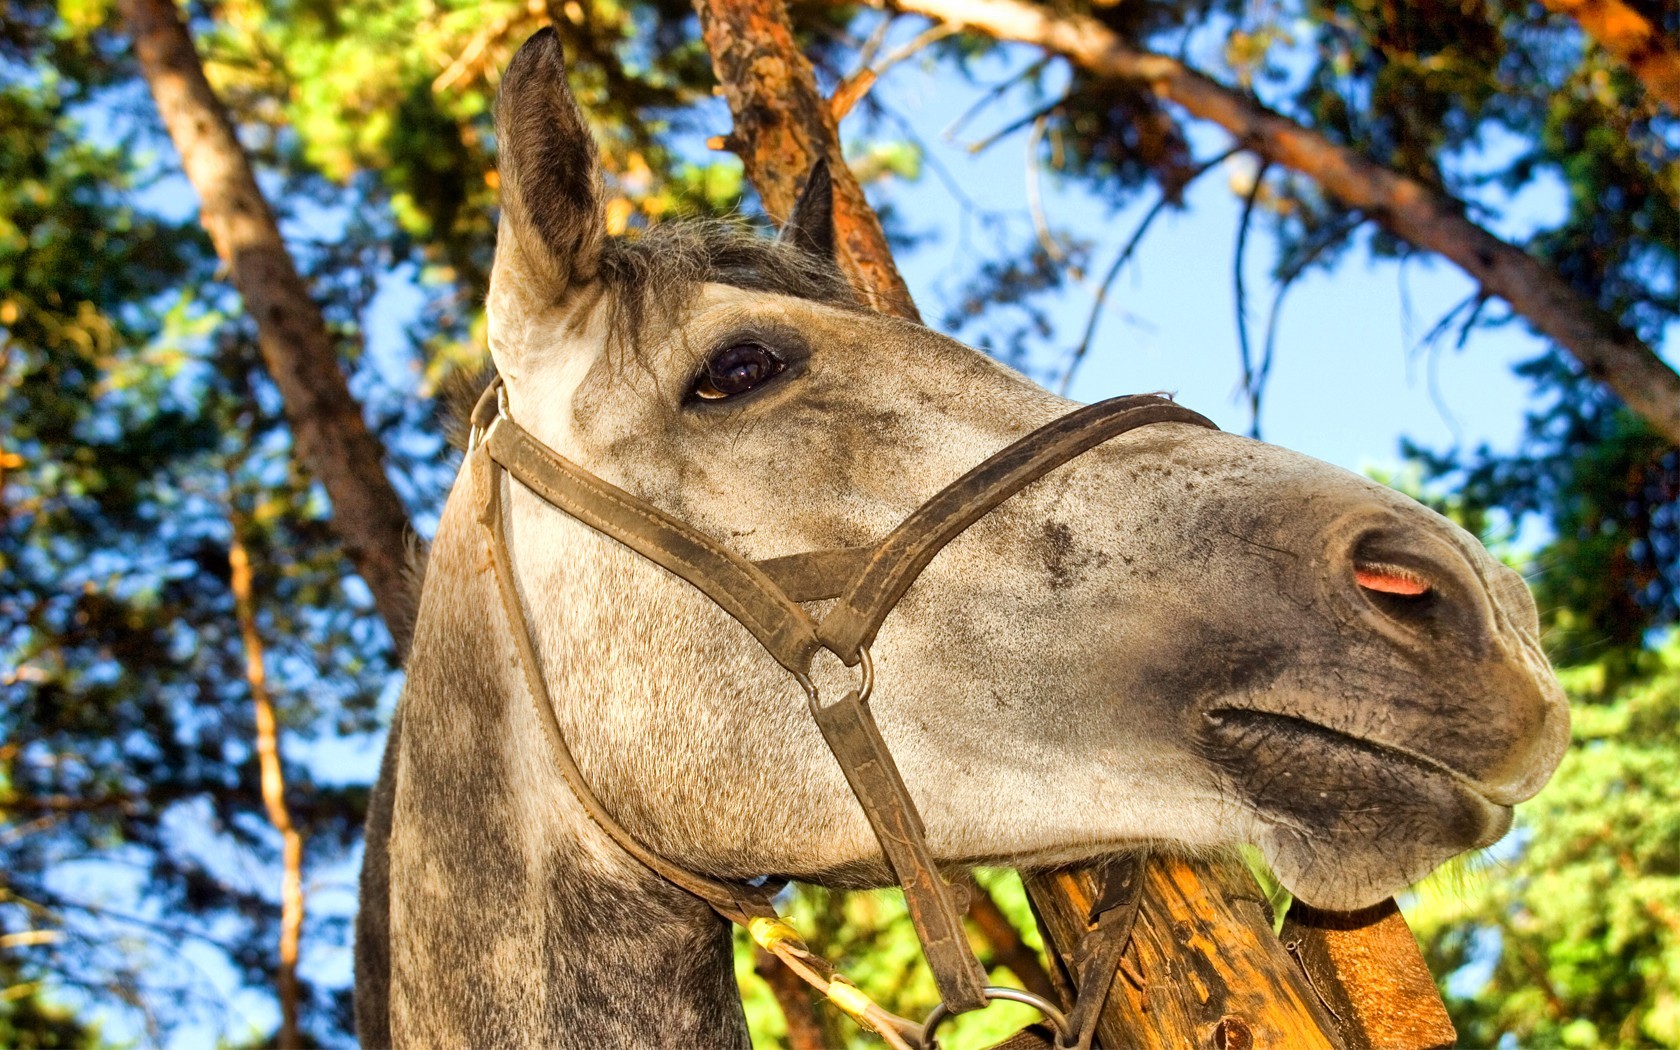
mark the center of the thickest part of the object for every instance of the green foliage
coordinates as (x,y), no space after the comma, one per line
(138,427)
(1583,925)
(870,939)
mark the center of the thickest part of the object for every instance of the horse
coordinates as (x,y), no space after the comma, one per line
(1181,638)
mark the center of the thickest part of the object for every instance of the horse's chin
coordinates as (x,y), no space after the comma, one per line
(1344,822)
(1336,875)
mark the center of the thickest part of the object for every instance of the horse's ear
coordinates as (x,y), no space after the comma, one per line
(553,222)
(811,226)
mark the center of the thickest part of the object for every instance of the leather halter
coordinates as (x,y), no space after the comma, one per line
(765,596)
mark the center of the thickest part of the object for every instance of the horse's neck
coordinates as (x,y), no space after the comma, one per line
(514,919)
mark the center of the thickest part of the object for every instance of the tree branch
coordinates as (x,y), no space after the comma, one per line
(332,439)
(273,787)
(1417,213)
(782,126)
(1633,40)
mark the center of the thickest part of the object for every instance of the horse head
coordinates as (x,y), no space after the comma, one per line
(1182,637)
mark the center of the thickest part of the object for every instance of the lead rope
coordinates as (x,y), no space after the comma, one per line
(746,906)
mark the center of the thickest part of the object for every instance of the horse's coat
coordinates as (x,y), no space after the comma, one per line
(1167,640)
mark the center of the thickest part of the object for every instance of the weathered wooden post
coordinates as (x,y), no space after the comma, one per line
(1204,967)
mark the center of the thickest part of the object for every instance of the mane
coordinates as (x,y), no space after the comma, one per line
(645,274)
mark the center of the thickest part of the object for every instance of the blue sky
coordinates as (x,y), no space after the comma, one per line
(1350,376)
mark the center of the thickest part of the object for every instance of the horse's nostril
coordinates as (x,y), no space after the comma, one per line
(1391,579)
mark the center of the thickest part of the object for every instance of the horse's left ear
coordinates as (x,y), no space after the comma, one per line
(553,218)
(811,226)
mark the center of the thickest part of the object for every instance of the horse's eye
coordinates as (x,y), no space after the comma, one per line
(736,371)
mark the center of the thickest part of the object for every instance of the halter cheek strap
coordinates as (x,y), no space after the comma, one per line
(765,597)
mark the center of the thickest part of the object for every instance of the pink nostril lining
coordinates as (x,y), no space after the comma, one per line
(1386,579)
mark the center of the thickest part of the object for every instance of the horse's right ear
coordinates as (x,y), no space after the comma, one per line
(553,221)
(811,226)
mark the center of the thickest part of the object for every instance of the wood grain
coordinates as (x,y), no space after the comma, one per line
(1204,969)
(1368,968)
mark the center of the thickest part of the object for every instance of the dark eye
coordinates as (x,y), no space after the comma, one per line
(736,371)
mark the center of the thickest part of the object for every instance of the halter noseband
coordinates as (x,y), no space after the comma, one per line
(765,596)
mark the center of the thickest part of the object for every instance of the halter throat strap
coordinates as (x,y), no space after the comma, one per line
(765,596)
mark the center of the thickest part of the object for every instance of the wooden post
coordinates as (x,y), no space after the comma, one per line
(1369,970)
(1204,970)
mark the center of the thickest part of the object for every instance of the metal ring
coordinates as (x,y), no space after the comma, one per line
(1052,1013)
(866,685)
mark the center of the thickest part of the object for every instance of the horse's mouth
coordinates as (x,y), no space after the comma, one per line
(1304,768)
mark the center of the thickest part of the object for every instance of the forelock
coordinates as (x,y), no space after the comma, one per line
(649,277)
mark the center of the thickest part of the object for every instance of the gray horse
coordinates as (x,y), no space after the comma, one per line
(1182,638)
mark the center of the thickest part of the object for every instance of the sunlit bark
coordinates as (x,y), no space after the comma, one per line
(783,126)
(1635,42)
(273,791)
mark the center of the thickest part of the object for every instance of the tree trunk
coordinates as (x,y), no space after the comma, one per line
(782,125)
(1635,42)
(1419,214)
(332,438)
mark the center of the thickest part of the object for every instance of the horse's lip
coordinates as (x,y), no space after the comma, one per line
(1237,718)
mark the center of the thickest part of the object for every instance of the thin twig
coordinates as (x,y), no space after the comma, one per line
(463,65)
(855,86)
(933,34)
(273,787)
(1249,385)
(1101,296)
(1328,238)
(969,211)
(877,37)
(1035,200)
(1032,118)
(996,92)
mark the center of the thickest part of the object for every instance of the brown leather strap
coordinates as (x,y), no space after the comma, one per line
(906,551)
(740,587)
(816,575)
(735,902)
(1097,958)
(764,597)
(856,741)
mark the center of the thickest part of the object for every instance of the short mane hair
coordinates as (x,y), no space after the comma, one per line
(647,275)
